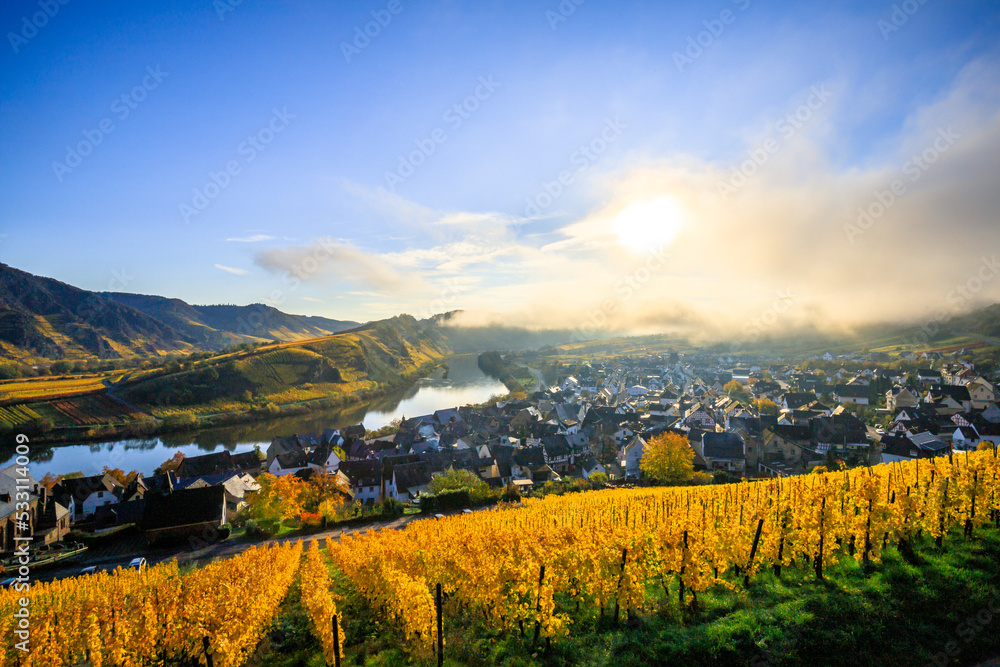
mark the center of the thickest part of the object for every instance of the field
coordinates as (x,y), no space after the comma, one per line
(49,387)
(94,410)
(16,415)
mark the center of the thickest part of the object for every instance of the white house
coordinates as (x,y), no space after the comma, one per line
(631,455)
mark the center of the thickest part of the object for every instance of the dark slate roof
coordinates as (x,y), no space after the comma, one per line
(206,464)
(447,416)
(184,507)
(120,513)
(723,446)
(956,392)
(797,433)
(556,445)
(362,473)
(530,456)
(211,480)
(798,399)
(297,459)
(839,429)
(852,391)
(245,461)
(412,475)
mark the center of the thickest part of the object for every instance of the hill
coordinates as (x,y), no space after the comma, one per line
(363,360)
(45,319)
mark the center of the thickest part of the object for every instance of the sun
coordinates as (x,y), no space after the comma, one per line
(648,225)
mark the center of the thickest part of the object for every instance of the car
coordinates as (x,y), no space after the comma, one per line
(90,569)
(439,516)
(466,511)
(137,564)
(7,583)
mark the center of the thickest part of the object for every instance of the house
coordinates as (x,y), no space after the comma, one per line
(192,513)
(952,398)
(89,493)
(851,393)
(981,393)
(904,448)
(238,486)
(206,464)
(365,478)
(558,454)
(722,451)
(590,465)
(796,400)
(928,376)
(630,456)
(901,397)
(11,483)
(410,480)
(289,463)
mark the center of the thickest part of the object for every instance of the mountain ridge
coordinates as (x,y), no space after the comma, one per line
(43,318)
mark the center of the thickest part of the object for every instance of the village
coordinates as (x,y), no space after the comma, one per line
(742,419)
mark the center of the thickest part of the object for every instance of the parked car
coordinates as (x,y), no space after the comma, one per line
(466,511)
(7,583)
(439,516)
(90,569)
(137,564)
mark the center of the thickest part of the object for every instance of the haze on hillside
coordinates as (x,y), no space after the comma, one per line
(626,167)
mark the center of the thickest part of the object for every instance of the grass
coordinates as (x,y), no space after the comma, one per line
(928,607)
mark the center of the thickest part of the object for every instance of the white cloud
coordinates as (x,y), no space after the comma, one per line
(256,238)
(234,271)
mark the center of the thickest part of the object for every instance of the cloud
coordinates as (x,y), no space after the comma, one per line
(234,271)
(687,244)
(256,238)
(327,259)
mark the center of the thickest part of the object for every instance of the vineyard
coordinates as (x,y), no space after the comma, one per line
(155,616)
(16,415)
(40,388)
(94,410)
(565,559)
(549,572)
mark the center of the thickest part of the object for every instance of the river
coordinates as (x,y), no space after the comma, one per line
(464,384)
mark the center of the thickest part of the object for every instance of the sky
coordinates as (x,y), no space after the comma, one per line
(727,166)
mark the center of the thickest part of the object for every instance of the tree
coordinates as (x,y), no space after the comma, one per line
(123,478)
(668,458)
(49,480)
(323,487)
(170,464)
(766,406)
(278,498)
(733,387)
(458,479)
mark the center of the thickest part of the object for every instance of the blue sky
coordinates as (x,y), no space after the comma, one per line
(313,222)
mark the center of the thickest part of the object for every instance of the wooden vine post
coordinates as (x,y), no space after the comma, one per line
(336,641)
(440,626)
(753,551)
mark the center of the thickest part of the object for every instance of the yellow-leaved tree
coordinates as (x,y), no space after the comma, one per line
(278,498)
(668,458)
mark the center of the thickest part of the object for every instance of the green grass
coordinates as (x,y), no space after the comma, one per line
(907,610)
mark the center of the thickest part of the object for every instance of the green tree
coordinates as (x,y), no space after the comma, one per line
(668,458)
(458,479)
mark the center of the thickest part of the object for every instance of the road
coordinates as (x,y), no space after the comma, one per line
(539,379)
